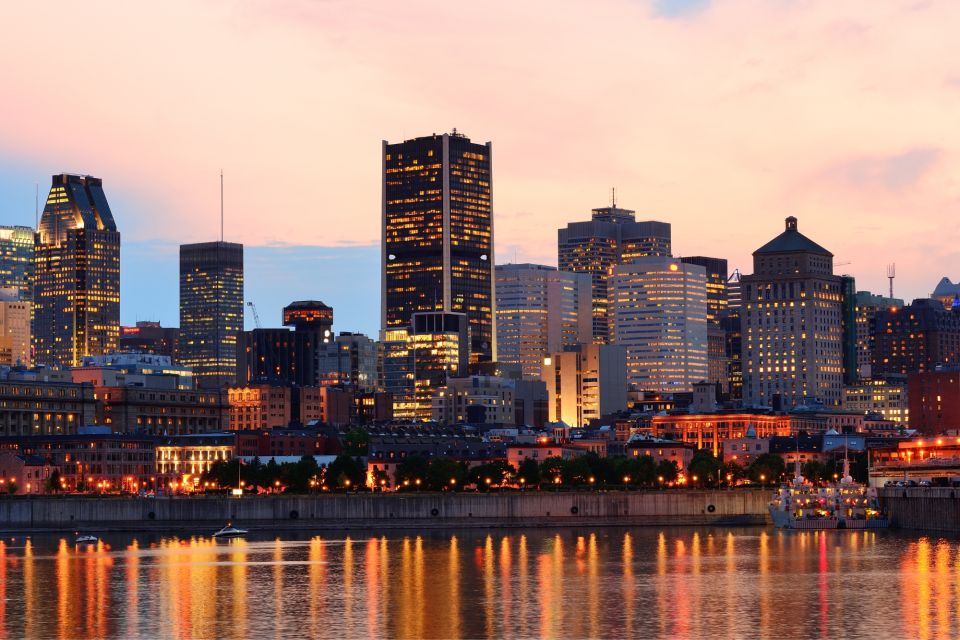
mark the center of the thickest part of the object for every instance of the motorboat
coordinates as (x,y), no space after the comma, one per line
(87,539)
(230,531)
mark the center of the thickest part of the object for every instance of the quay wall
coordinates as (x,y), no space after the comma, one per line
(407,510)
(930,508)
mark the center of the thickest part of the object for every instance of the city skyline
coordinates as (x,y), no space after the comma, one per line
(807,130)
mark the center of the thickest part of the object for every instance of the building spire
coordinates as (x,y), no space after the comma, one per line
(613,197)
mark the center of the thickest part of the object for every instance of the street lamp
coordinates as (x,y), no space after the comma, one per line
(763,478)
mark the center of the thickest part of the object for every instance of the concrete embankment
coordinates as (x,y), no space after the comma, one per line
(393,511)
(931,508)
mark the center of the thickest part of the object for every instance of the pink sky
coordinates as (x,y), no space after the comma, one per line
(721,121)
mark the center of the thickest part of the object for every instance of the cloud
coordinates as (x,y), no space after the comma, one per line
(679,8)
(893,172)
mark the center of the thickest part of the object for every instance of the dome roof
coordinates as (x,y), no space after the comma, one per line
(792,241)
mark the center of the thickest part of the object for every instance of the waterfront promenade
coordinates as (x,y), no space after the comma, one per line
(390,511)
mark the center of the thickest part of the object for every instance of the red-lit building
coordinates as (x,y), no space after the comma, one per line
(934,398)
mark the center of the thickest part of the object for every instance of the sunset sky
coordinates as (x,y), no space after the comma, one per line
(720,117)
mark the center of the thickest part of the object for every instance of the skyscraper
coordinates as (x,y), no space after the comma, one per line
(585,382)
(76,291)
(717,361)
(437,251)
(866,307)
(211,310)
(659,310)
(610,238)
(791,323)
(14,329)
(539,311)
(919,337)
(16,260)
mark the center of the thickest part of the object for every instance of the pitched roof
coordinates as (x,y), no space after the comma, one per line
(792,241)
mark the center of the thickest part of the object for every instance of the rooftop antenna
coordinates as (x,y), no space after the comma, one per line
(613,197)
(891,274)
(221,205)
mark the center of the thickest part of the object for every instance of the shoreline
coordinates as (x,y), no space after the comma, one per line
(387,511)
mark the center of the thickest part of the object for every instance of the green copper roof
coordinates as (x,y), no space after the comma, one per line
(792,241)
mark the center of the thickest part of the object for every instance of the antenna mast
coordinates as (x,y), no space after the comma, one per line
(891,274)
(613,197)
(221,205)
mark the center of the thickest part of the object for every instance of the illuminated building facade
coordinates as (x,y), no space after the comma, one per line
(916,338)
(14,332)
(866,307)
(886,397)
(183,459)
(76,293)
(211,310)
(135,409)
(594,247)
(585,382)
(712,430)
(791,324)
(350,359)
(660,317)
(540,310)
(717,361)
(309,315)
(16,260)
(730,321)
(43,408)
(438,235)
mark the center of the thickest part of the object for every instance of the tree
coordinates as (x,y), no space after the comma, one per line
(551,469)
(53,482)
(705,467)
(734,472)
(814,471)
(575,472)
(411,469)
(767,467)
(379,478)
(297,476)
(529,472)
(601,469)
(668,471)
(344,472)
(12,487)
(497,472)
(445,473)
(357,442)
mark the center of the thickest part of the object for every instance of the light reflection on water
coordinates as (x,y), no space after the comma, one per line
(642,582)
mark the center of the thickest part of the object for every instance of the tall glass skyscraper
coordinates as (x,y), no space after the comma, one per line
(16,261)
(77,274)
(540,310)
(211,310)
(611,237)
(660,316)
(438,235)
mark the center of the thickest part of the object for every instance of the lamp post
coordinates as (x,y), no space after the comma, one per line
(626,483)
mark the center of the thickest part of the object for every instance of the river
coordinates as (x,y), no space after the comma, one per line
(537,583)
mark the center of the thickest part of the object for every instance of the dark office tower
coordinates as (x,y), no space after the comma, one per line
(848,316)
(610,238)
(150,337)
(211,310)
(16,261)
(438,234)
(716,310)
(731,327)
(76,293)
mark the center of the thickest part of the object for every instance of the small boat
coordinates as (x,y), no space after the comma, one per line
(87,539)
(230,531)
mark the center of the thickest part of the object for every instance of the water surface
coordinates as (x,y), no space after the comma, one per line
(563,583)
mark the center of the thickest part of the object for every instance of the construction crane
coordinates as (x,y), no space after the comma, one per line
(256,316)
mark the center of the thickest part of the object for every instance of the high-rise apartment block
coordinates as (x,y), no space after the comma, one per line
(76,293)
(540,310)
(921,336)
(611,237)
(585,382)
(14,331)
(791,323)
(437,251)
(16,260)
(866,307)
(211,310)
(659,308)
